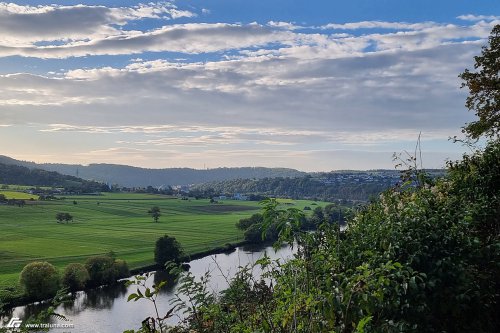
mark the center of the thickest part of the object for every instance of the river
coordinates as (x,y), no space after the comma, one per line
(106,310)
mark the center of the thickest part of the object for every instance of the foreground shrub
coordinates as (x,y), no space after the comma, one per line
(75,277)
(40,280)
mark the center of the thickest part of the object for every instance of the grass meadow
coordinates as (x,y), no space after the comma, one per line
(116,222)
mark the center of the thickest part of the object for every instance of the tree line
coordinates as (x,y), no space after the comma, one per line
(294,188)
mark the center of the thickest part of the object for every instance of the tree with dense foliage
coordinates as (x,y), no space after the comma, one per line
(64,217)
(105,270)
(40,280)
(167,249)
(484,89)
(155,213)
(75,277)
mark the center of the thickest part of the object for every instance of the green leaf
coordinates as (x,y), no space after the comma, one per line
(132,296)
(360,328)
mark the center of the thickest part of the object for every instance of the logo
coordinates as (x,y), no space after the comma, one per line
(14,323)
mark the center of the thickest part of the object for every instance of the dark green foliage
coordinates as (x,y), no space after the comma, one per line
(244,224)
(75,277)
(9,295)
(105,270)
(40,280)
(256,233)
(254,229)
(167,249)
(336,214)
(64,217)
(253,234)
(484,90)
(121,268)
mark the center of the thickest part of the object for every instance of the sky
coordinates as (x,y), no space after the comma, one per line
(311,85)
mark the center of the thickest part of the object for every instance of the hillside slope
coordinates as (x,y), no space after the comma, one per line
(129,176)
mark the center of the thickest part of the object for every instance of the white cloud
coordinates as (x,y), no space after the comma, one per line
(78,31)
(21,26)
(379,25)
(270,92)
(185,38)
(474,18)
(382,90)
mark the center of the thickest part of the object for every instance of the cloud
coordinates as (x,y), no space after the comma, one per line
(378,25)
(61,32)
(185,38)
(259,91)
(475,18)
(381,90)
(175,135)
(21,26)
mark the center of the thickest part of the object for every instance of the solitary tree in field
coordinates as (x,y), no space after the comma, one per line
(64,217)
(155,213)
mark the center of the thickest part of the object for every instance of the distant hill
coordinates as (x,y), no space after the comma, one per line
(11,174)
(327,186)
(129,176)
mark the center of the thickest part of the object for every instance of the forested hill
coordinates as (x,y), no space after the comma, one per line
(349,185)
(20,175)
(331,186)
(129,176)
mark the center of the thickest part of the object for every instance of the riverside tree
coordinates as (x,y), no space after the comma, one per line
(167,249)
(40,280)
(75,276)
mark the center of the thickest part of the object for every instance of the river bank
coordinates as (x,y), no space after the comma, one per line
(22,300)
(106,309)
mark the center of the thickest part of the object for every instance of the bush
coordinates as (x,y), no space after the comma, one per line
(105,270)
(40,280)
(245,223)
(121,268)
(167,249)
(75,277)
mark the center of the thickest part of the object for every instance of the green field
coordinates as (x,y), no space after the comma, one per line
(113,222)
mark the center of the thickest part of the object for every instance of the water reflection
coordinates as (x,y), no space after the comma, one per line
(100,298)
(106,309)
(163,275)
